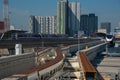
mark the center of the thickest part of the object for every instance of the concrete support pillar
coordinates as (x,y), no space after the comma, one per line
(49,74)
(43,77)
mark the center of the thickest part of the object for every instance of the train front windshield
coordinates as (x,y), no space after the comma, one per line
(109,36)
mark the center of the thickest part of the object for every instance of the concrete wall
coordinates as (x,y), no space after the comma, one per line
(14,64)
(74,48)
(33,76)
(44,71)
(93,51)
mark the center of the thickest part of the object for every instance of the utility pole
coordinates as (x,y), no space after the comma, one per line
(78,40)
(106,48)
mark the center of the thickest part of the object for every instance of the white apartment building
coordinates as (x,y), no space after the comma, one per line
(43,24)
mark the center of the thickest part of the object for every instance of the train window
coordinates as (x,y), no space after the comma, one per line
(109,36)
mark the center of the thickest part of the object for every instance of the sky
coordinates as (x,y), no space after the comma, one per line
(20,10)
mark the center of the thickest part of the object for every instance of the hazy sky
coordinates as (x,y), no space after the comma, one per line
(20,10)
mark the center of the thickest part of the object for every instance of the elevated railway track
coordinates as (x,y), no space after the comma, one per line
(41,72)
(48,69)
(45,42)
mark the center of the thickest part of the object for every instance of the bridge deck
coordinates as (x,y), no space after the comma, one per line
(87,68)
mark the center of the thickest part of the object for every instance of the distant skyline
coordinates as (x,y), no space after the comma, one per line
(20,10)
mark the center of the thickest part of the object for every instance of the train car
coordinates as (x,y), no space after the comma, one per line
(109,38)
(26,36)
(53,36)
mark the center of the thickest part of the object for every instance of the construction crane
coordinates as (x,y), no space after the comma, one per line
(6,16)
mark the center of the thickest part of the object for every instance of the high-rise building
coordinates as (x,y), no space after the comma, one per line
(73,18)
(93,24)
(107,26)
(62,10)
(34,25)
(67,20)
(43,24)
(84,24)
(89,24)
(68,17)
